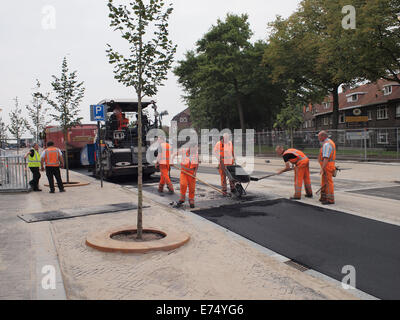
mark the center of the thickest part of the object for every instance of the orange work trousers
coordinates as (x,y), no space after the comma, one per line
(223,179)
(164,178)
(187,181)
(327,190)
(302,173)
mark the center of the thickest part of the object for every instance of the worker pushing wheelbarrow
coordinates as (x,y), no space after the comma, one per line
(227,168)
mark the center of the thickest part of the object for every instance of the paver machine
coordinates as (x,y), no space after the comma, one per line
(119,143)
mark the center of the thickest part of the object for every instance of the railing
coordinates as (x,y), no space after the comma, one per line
(353,144)
(14,175)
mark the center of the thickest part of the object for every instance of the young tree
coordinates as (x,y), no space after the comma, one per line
(145,27)
(68,94)
(3,132)
(18,125)
(37,114)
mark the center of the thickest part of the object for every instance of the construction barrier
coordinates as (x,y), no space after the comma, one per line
(14,175)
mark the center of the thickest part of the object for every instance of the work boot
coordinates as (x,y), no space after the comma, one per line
(51,191)
(179,204)
(192,205)
(171,190)
(326,202)
(308,195)
(62,190)
(294,198)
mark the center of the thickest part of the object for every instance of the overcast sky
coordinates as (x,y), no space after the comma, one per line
(30,51)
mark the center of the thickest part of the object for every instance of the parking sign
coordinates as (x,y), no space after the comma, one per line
(97,112)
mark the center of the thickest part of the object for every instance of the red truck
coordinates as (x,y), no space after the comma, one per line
(77,138)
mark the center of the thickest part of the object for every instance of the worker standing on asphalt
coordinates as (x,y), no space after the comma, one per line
(189,166)
(163,159)
(327,157)
(301,169)
(33,157)
(223,150)
(53,159)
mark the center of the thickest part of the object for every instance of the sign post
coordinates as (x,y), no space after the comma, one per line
(98,113)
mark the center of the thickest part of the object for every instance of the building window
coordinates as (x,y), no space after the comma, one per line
(342,118)
(398,111)
(326,121)
(369,115)
(352,98)
(387,90)
(326,105)
(383,136)
(342,138)
(382,113)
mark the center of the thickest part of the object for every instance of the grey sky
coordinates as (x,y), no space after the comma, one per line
(28,51)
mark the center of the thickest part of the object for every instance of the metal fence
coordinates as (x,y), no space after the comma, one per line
(352,144)
(14,175)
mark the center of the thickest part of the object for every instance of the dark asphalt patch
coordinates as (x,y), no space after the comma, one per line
(388,192)
(322,239)
(76,212)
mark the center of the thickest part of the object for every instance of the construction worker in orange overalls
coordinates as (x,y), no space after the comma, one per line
(223,150)
(163,159)
(327,157)
(189,165)
(300,165)
(124,122)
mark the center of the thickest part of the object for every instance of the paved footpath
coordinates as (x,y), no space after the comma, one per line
(215,264)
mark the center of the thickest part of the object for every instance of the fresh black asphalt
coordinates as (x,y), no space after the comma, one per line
(321,239)
(388,192)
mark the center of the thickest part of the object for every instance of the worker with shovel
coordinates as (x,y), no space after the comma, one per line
(301,169)
(189,166)
(327,156)
(223,150)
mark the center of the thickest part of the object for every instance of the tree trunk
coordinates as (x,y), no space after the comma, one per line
(66,154)
(140,170)
(239,106)
(335,114)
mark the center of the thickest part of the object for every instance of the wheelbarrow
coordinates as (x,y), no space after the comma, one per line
(237,176)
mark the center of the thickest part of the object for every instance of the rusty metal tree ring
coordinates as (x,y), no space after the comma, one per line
(103,240)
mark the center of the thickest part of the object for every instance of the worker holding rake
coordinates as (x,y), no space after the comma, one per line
(189,166)
(301,169)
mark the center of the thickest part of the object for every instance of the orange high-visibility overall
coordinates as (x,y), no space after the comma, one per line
(163,160)
(225,153)
(327,191)
(189,164)
(301,172)
(52,157)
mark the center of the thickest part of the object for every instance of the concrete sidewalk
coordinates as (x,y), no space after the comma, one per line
(214,265)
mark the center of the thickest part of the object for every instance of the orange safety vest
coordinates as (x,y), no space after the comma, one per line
(125,123)
(164,155)
(299,155)
(189,161)
(225,151)
(52,157)
(332,157)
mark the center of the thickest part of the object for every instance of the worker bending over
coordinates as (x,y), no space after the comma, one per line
(163,159)
(300,163)
(189,166)
(223,151)
(327,156)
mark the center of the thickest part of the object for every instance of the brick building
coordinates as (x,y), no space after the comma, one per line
(377,105)
(183,119)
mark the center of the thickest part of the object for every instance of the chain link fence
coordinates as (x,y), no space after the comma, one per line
(379,144)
